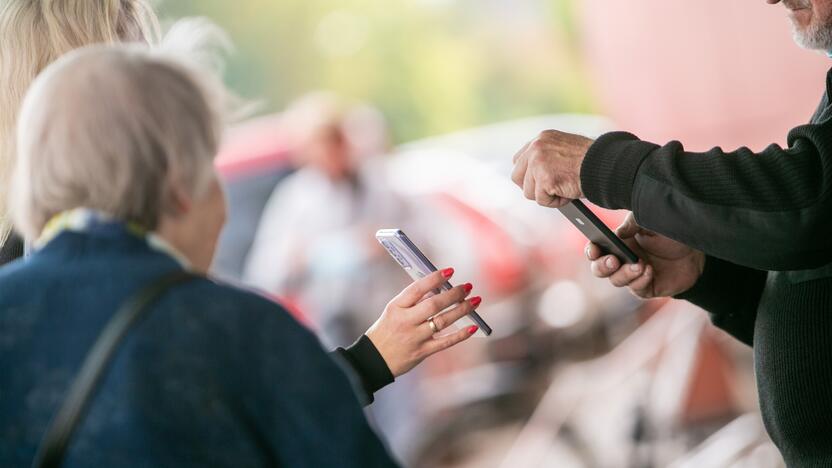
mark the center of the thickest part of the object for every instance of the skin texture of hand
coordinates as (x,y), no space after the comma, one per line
(548,168)
(403,335)
(666,268)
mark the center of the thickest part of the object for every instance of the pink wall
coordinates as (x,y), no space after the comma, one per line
(706,72)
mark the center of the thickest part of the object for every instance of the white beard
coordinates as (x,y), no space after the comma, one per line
(814,37)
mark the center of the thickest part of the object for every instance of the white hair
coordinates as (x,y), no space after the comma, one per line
(118,128)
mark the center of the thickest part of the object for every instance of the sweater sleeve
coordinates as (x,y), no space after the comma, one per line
(730,294)
(767,210)
(367,364)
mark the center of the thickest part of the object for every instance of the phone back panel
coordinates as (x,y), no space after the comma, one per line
(596,231)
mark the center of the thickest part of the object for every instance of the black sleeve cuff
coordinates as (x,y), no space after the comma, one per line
(368,365)
(609,169)
(717,276)
(711,278)
(730,294)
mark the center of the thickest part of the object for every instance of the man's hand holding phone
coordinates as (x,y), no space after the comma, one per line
(667,267)
(548,168)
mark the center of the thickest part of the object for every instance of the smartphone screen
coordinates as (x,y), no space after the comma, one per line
(417,266)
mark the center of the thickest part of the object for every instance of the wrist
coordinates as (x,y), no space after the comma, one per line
(578,164)
(381,348)
(697,261)
(700,262)
(608,171)
(707,271)
(374,370)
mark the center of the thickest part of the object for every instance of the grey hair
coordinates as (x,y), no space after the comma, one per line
(119,128)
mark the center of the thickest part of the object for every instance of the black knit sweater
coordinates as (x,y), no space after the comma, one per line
(765,222)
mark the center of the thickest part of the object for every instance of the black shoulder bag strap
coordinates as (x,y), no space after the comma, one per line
(56,440)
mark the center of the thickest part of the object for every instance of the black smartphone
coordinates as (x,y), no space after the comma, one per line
(596,231)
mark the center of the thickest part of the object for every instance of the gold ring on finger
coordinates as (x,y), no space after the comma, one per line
(433,326)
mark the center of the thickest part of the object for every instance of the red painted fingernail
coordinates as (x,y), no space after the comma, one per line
(473,329)
(475,301)
(448,272)
(468,287)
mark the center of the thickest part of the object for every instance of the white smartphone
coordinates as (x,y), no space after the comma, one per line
(417,265)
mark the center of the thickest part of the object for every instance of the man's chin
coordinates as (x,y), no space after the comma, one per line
(809,38)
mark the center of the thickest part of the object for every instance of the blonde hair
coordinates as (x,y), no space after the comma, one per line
(118,129)
(34,33)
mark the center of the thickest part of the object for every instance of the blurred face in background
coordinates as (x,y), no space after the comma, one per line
(811,22)
(328,150)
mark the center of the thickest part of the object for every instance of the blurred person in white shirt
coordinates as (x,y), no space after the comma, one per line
(316,246)
(317,230)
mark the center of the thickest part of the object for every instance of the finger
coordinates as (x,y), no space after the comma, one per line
(518,174)
(543,198)
(444,320)
(558,202)
(529,185)
(414,293)
(627,274)
(643,286)
(605,266)
(548,192)
(592,251)
(433,305)
(445,342)
(520,153)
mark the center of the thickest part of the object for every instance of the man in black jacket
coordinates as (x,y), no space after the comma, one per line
(747,236)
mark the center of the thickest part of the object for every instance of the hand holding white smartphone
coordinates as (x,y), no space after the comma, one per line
(417,265)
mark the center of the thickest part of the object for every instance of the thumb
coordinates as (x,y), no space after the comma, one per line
(628,228)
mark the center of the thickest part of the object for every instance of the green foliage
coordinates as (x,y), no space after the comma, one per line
(432,66)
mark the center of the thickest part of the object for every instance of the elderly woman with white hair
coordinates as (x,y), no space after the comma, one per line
(115,187)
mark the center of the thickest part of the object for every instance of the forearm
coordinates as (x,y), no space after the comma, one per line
(367,365)
(765,210)
(730,294)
